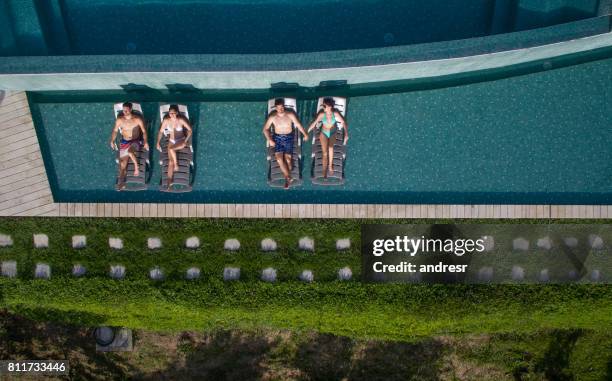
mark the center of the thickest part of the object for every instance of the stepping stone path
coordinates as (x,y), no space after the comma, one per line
(518,273)
(306,244)
(268,244)
(485,274)
(231,273)
(192,273)
(345,273)
(117,272)
(154,243)
(544,243)
(343,244)
(42,271)
(570,241)
(231,244)
(488,242)
(520,244)
(5,240)
(79,241)
(8,269)
(268,275)
(596,242)
(156,274)
(115,243)
(192,243)
(41,241)
(78,270)
(307,276)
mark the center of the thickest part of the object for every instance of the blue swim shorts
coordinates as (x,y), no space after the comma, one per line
(283,143)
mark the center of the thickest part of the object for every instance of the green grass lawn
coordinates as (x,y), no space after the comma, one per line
(500,330)
(353,308)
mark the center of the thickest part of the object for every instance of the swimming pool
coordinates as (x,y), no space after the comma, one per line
(114,27)
(536,138)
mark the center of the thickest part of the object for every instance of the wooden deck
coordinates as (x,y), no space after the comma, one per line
(25,191)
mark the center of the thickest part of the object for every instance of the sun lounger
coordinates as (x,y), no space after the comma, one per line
(182,180)
(275,175)
(133,183)
(316,171)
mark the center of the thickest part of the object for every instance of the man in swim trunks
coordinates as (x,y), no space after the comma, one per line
(282,141)
(133,135)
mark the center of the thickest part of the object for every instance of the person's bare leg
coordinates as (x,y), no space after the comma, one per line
(134,161)
(289,161)
(122,172)
(324,152)
(283,167)
(331,155)
(172,154)
(170,170)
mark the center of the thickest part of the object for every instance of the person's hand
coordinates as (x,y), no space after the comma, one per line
(310,128)
(146,146)
(113,146)
(159,147)
(345,138)
(271,142)
(306,136)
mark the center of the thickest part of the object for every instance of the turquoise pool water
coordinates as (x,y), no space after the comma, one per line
(536,138)
(85,27)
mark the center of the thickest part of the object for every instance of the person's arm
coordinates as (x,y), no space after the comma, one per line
(187,125)
(144,133)
(159,135)
(299,126)
(266,131)
(341,118)
(112,142)
(315,121)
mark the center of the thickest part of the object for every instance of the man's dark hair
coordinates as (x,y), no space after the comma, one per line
(279,101)
(128,105)
(328,101)
(174,108)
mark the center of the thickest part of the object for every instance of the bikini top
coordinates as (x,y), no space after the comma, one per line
(173,127)
(326,121)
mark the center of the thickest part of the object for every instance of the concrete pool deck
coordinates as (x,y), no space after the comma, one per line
(25,191)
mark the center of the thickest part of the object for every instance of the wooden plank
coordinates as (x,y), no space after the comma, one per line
(48,210)
(78,210)
(6,155)
(27,206)
(200,211)
(22,197)
(239,213)
(41,186)
(184,210)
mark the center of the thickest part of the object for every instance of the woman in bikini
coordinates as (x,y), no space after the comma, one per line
(328,118)
(173,123)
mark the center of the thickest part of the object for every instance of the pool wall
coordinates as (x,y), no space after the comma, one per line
(500,47)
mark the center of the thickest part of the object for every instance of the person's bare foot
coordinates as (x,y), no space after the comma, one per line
(330,170)
(121,186)
(288,180)
(136,171)
(176,168)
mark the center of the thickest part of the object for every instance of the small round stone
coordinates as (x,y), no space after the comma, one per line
(154,243)
(41,241)
(268,244)
(345,273)
(343,244)
(231,273)
(269,275)
(42,271)
(307,276)
(306,244)
(192,243)
(192,273)
(231,244)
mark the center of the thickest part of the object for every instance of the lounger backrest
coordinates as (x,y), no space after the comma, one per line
(163,113)
(339,105)
(290,104)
